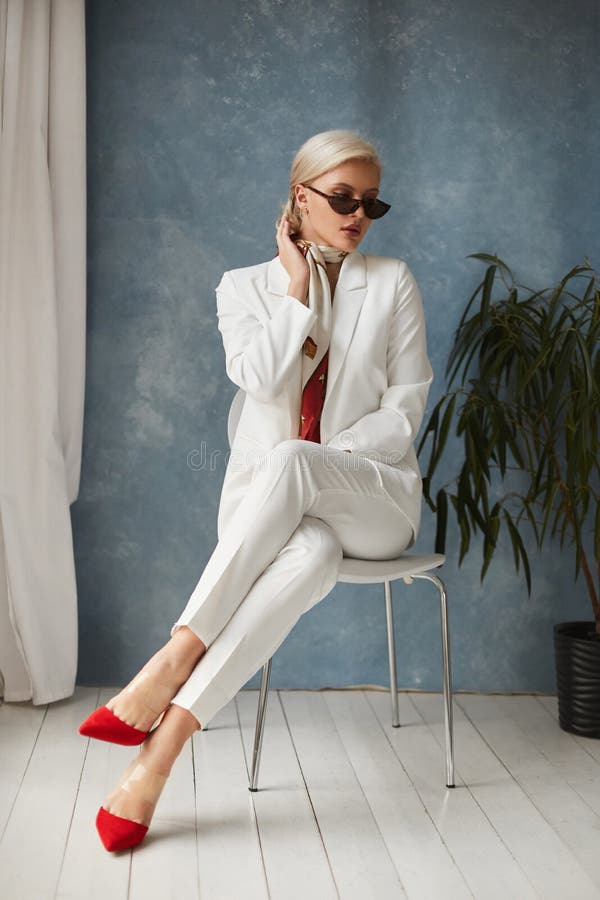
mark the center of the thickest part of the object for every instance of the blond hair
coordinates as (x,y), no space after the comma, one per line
(319,154)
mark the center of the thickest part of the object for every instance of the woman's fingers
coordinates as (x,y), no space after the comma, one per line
(291,256)
(283,230)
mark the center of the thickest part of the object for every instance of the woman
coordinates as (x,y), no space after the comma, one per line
(328,345)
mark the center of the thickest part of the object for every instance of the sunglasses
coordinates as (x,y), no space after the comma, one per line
(344,204)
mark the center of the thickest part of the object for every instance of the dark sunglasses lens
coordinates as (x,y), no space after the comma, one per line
(375,208)
(343,205)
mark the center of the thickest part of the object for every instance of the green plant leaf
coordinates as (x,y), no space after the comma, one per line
(432,425)
(427,494)
(518,549)
(467,308)
(444,429)
(490,541)
(488,257)
(442,521)
(486,294)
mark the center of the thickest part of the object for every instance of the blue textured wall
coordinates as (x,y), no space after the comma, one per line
(486,117)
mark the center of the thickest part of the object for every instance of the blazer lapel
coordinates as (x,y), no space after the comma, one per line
(350,292)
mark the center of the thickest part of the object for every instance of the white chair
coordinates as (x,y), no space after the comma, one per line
(367,571)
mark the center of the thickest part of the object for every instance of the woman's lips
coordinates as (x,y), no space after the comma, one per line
(351,230)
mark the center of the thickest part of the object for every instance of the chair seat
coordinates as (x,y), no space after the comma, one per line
(373,571)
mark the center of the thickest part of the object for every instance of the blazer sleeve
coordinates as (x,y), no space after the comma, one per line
(260,355)
(390,431)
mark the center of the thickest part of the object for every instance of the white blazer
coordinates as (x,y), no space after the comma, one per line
(378,371)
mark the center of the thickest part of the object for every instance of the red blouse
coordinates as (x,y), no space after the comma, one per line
(313,397)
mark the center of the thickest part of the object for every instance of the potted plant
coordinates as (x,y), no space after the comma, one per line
(523,400)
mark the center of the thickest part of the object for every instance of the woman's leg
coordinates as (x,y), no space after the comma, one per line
(294,479)
(304,571)
(146,696)
(268,520)
(301,575)
(336,509)
(137,793)
(289,479)
(288,482)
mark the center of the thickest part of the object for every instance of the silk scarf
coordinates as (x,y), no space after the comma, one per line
(319,300)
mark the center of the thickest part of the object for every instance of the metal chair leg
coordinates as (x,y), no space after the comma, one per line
(448,724)
(260,723)
(447,675)
(389,613)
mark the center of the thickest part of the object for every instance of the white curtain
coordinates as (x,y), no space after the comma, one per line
(42,340)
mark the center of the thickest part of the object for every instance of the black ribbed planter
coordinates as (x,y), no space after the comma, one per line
(577,656)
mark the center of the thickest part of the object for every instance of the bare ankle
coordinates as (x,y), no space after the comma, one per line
(158,759)
(162,747)
(186,647)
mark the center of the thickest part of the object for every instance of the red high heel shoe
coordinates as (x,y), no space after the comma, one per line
(119,833)
(105,726)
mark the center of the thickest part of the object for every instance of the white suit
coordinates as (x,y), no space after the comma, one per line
(290,508)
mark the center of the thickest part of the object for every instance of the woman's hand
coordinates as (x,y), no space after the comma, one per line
(293,261)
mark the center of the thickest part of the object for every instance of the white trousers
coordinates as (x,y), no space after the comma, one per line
(307,505)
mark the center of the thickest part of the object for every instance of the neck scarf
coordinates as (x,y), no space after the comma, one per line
(320,301)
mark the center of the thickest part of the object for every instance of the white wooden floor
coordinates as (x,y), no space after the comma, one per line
(347,805)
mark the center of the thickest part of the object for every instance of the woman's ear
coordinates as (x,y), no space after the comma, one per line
(300,194)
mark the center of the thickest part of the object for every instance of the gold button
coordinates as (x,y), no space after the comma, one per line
(302,417)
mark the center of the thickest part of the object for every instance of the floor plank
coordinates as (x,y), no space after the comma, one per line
(88,871)
(572,755)
(487,865)
(296,863)
(229,854)
(20,725)
(33,843)
(360,860)
(570,827)
(166,863)
(426,868)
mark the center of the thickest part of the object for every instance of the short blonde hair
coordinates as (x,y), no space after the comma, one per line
(319,154)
